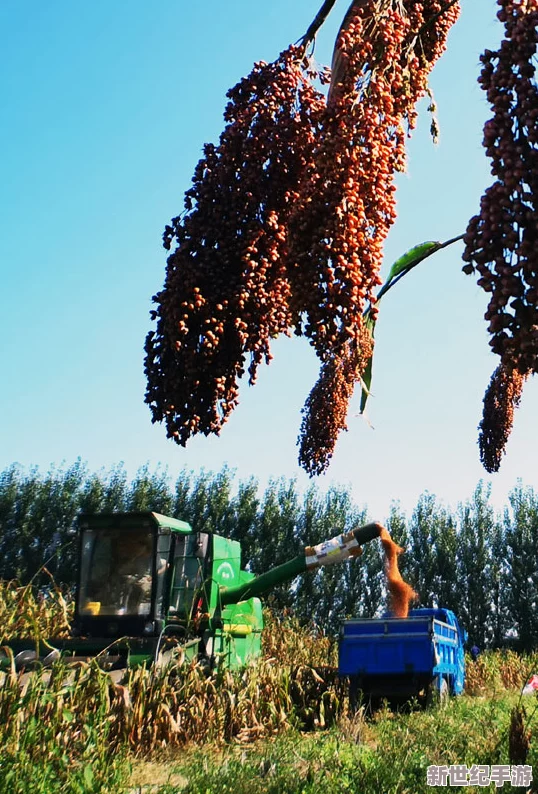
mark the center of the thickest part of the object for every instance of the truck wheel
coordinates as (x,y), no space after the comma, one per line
(437,692)
(354,694)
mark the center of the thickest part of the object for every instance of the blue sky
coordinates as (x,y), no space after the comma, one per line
(106,106)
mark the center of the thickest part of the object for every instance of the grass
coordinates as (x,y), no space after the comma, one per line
(387,754)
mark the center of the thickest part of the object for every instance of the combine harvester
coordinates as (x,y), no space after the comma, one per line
(152,590)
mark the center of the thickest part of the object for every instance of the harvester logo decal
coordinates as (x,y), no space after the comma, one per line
(225,571)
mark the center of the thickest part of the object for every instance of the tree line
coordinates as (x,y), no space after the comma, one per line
(474,560)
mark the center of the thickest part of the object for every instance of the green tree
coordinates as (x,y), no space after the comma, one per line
(53,520)
(276,535)
(105,492)
(432,561)
(17,495)
(446,588)
(422,537)
(38,514)
(476,571)
(521,528)
(150,491)
(205,500)
(499,577)
(244,519)
(310,531)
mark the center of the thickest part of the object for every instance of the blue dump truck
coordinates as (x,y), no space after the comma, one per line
(398,659)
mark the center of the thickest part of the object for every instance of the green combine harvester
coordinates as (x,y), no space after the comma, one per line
(151,589)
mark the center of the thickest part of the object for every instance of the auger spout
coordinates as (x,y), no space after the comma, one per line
(332,551)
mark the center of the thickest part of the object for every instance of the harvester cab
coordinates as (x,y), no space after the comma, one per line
(150,588)
(150,584)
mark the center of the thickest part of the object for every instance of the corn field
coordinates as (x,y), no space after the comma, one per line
(293,685)
(27,612)
(497,671)
(156,708)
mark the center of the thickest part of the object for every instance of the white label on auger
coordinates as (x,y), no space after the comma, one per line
(331,551)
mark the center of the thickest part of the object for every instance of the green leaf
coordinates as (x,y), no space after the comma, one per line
(402,266)
(88,777)
(413,257)
(365,386)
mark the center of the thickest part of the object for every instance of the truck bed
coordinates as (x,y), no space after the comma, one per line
(401,654)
